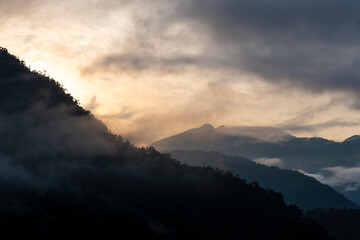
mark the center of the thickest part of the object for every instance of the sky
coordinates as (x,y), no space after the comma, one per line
(151,69)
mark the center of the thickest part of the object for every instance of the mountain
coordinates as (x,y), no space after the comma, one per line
(257,142)
(299,189)
(64,175)
(342,224)
(317,157)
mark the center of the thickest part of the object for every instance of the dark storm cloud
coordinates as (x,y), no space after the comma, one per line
(266,21)
(308,44)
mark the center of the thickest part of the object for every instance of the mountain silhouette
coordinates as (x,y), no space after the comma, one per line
(298,189)
(64,175)
(256,142)
(312,155)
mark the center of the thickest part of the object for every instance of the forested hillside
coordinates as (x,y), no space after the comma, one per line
(304,191)
(342,224)
(64,175)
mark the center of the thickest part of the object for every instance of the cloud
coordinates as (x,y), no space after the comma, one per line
(347,178)
(123,114)
(212,103)
(305,44)
(92,105)
(320,126)
(16,8)
(136,64)
(278,162)
(175,49)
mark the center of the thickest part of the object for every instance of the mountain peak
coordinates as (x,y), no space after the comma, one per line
(207,126)
(352,138)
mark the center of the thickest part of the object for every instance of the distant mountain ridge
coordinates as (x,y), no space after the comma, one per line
(255,142)
(304,191)
(317,157)
(266,134)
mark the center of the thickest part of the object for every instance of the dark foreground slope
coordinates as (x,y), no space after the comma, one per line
(342,224)
(304,191)
(63,175)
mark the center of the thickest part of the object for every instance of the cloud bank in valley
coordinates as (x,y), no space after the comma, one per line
(347,178)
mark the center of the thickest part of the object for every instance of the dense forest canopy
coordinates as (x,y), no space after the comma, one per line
(342,224)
